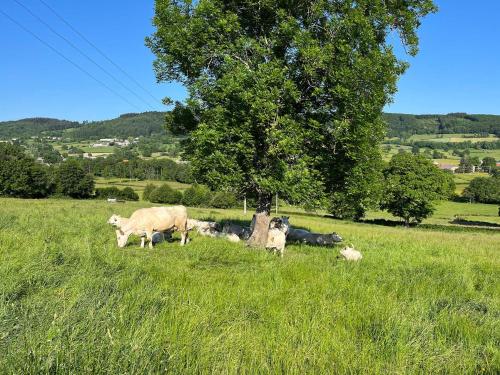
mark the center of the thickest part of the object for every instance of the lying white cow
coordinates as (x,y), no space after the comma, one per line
(318,239)
(205,228)
(146,221)
(235,230)
(276,237)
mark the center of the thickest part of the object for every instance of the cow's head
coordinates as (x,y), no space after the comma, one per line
(114,220)
(121,238)
(336,237)
(280,223)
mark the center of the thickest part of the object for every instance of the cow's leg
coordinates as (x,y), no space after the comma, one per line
(143,241)
(184,236)
(149,237)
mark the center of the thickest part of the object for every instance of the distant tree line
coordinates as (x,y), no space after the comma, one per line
(446,146)
(21,176)
(195,196)
(135,168)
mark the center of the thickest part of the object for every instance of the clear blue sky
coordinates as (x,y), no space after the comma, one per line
(458,68)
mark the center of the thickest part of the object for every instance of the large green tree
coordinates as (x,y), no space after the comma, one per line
(73,181)
(483,190)
(287,95)
(20,176)
(412,184)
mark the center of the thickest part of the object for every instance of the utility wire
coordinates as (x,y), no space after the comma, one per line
(68,59)
(83,53)
(100,51)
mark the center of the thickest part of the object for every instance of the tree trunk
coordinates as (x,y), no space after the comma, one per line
(260,222)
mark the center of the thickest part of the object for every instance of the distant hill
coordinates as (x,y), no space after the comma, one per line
(35,127)
(453,123)
(127,125)
(150,123)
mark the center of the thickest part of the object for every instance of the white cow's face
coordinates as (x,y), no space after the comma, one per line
(114,220)
(121,239)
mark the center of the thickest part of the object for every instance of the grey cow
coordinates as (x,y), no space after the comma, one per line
(309,238)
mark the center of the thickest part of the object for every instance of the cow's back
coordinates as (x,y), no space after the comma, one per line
(160,218)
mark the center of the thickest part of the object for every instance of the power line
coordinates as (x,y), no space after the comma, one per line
(68,59)
(100,51)
(83,53)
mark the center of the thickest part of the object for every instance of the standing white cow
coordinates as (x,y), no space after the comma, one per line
(146,221)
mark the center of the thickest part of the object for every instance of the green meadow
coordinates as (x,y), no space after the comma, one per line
(423,300)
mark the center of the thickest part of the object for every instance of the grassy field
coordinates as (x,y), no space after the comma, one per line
(462,180)
(446,212)
(421,300)
(452,138)
(138,186)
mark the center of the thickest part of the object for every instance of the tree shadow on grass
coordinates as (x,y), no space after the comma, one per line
(474,223)
(458,226)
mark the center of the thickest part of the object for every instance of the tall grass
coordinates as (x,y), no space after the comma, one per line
(421,301)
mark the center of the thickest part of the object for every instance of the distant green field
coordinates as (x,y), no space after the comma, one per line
(462,180)
(447,211)
(101,150)
(138,186)
(452,138)
(422,301)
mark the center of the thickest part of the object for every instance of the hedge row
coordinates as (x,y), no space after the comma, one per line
(195,196)
(127,194)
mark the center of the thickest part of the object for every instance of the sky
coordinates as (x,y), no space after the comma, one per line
(457,69)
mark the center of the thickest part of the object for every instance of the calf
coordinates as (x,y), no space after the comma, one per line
(276,237)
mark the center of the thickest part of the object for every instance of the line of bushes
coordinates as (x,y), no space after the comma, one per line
(195,196)
(127,194)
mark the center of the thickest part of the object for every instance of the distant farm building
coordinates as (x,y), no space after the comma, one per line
(447,167)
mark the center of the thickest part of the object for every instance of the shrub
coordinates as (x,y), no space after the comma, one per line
(72,180)
(146,194)
(127,194)
(223,199)
(165,194)
(197,195)
(107,192)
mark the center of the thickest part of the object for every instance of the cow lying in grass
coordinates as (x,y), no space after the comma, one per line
(205,228)
(308,238)
(234,230)
(146,221)
(279,234)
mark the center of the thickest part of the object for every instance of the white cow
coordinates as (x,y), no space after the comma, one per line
(146,221)
(205,228)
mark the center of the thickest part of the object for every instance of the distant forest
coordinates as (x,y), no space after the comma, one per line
(401,125)
(150,123)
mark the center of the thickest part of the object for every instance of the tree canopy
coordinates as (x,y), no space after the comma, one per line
(287,95)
